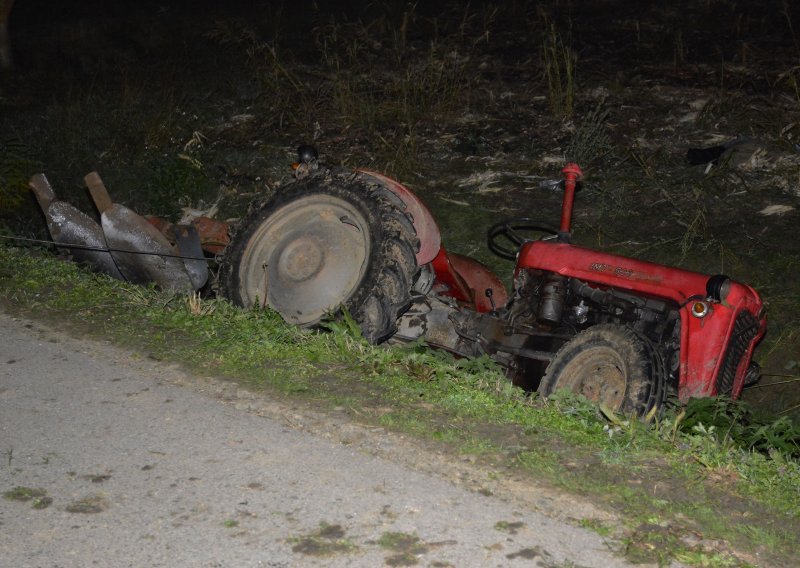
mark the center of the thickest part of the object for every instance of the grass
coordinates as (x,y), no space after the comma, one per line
(21,493)
(38,498)
(590,142)
(90,504)
(404,548)
(511,527)
(559,62)
(695,467)
(327,540)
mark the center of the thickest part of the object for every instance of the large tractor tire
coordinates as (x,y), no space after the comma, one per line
(322,243)
(611,365)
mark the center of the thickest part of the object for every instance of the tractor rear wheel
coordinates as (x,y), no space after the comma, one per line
(610,365)
(322,243)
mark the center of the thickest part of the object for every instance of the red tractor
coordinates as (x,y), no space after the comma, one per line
(623,332)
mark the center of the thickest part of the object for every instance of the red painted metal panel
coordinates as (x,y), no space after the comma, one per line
(430,240)
(466,280)
(703,340)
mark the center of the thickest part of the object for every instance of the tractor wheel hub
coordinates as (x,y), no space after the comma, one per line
(301,259)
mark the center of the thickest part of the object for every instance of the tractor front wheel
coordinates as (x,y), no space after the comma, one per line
(610,365)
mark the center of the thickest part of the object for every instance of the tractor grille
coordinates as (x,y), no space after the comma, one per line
(744,330)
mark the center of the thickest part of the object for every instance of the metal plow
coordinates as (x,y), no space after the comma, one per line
(123,244)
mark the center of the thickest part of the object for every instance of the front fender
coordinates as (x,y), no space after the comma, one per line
(430,238)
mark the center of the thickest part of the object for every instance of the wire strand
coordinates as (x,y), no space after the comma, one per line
(98,249)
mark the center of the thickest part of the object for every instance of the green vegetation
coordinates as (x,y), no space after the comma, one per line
(38,498)
(559,62)
(21,493)
(510,527)
(327,540)
(404,548)
(692,471)
(90,504)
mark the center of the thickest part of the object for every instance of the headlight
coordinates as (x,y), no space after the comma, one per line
(718,287)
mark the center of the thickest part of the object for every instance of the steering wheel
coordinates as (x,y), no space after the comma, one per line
(517,232)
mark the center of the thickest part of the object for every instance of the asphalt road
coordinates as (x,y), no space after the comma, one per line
(137,466)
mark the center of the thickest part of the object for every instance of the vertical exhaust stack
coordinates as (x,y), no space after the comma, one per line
(572,174)
(555,289)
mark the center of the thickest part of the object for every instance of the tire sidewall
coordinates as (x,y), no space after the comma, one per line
(644,388)
(368,303)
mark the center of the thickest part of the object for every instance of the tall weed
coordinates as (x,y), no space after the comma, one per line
(735,422)
(559,62)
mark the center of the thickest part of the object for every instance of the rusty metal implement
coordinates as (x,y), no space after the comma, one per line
(187,239)
(70,226)
(141,252)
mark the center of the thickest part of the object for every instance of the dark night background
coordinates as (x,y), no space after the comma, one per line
(611,35)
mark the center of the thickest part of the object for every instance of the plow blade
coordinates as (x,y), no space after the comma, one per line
(141,252)
(187,240)
(70,226)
